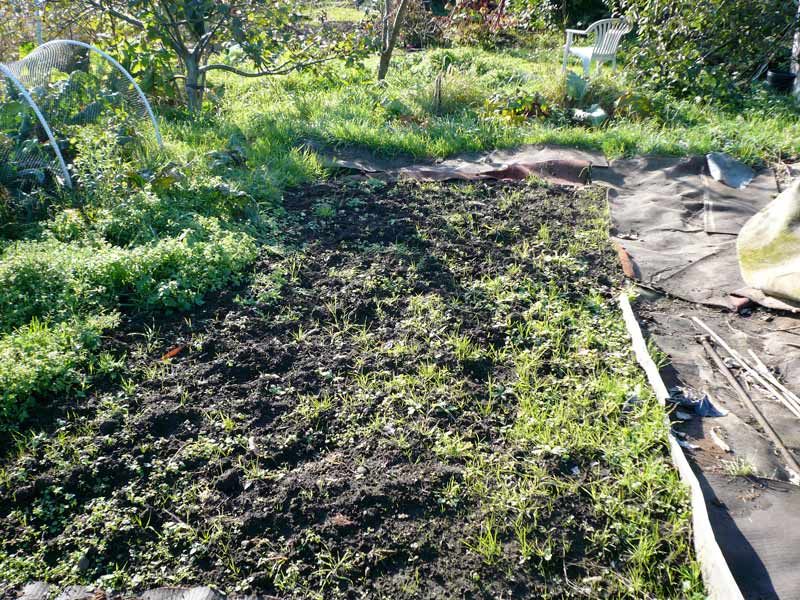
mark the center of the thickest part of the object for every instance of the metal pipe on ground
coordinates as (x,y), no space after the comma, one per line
(787,455)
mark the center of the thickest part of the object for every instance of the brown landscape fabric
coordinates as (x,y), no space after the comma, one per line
(675,227)
(564,166)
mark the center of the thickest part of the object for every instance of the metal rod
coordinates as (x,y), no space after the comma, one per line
(53,144)
(764,370)
(755,374)
(748,401)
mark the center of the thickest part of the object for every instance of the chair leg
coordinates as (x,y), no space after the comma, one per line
(614,65)
(566,55)
(587,65)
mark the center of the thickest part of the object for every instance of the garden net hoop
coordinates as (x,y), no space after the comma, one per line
(61,86)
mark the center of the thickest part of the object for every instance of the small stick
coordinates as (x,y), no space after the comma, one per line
(748,401)
(764,370)
(755,374)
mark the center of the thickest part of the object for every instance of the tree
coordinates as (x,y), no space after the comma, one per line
(705,47)
(268,33)
(796,52)
(393,13)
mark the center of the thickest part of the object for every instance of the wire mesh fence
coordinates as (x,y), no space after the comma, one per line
(61,86)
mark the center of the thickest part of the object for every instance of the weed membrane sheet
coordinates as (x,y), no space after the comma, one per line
(675,229)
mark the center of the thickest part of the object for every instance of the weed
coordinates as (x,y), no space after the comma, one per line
(739,467)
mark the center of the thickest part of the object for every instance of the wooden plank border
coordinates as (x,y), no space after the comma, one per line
(717,576)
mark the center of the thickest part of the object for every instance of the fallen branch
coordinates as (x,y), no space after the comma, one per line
(795,410)
(764,370)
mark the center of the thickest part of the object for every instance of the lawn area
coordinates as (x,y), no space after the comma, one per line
(225,363)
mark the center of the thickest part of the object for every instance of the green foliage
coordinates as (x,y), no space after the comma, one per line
(493,23)
(23,155)
(52,279)
(558,14)
(518,107)
(149,63)
(176,272)
(711,49)
(253,37)
(480,22)
(422,26)
(147,239)
(39,359)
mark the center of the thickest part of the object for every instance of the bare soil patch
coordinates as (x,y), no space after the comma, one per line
(328,429)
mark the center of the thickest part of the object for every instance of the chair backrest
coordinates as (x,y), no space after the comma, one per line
(609,32)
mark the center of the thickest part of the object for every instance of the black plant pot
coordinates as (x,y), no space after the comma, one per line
(780,81)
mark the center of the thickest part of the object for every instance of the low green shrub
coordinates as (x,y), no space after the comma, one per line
(176,272)
(50,279)
(53,280)
(40,359)
(710,52)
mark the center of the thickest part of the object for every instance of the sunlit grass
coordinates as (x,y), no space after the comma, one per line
(397,119)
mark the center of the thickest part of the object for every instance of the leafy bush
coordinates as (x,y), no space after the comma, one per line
(177,272)
(557,14)
(40,359)
(50,279)
(710,49)
(54,280)
(492,23)
(518,106)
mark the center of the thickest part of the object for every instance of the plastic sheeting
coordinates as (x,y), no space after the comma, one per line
(565,166)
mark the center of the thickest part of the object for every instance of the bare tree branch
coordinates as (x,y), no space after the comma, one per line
(281,70)
(116,13)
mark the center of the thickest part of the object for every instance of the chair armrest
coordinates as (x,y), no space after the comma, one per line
(577,31)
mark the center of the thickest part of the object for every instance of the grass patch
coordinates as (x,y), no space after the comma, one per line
(38,360)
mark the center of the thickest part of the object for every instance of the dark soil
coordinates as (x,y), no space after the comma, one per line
(258,459)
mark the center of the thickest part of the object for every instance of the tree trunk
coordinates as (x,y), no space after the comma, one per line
(391,30)
(796,53)
(194,83)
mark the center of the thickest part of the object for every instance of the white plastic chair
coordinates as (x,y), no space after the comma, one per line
(608,33)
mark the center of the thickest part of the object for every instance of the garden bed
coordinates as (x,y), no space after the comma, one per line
(426,391)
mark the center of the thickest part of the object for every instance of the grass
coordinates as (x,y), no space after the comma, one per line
(397,119)
(338,11)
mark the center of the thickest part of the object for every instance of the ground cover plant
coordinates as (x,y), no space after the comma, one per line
(426,391)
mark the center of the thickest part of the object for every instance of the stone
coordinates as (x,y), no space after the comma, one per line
(229,482)
(108,426)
